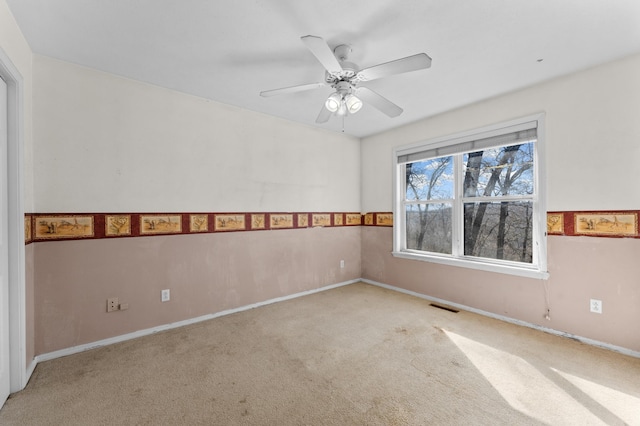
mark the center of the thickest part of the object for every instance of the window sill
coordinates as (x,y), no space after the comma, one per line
(483,266)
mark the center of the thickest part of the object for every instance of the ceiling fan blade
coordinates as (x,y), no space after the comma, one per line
(378,101)
(323,53)
(292,89)
(399,66)
(324,115)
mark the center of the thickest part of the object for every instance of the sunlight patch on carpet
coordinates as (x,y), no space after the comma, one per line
(625,406)
(522,385)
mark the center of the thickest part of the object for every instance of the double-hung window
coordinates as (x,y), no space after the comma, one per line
(474,200)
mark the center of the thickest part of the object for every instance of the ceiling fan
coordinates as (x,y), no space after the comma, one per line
(345,78)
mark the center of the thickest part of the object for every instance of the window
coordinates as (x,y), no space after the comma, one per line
(474,200)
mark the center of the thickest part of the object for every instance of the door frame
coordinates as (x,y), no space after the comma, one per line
(17,272)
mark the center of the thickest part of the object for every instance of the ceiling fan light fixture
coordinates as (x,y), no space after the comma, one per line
(333,102)
(342,110)
(353,103)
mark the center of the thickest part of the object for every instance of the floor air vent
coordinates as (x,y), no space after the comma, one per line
(446,308)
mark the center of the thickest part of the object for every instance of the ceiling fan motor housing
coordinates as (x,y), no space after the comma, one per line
(349,69)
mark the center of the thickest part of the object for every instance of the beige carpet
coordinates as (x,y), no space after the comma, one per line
(356,355)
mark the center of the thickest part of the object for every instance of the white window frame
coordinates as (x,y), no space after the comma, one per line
(538,268)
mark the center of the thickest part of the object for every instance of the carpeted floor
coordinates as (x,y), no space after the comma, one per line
(355,355)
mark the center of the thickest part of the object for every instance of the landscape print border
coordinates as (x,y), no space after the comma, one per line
(61,226)
(594,223)
(71,226)
(610,224)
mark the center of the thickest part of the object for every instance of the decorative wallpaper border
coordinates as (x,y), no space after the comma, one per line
(601,223)
(72,226)
(378,219)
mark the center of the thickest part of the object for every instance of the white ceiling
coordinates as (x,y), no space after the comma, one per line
(229,51)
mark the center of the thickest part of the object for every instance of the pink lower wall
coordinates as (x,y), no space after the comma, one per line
(68,282)
(206,273)
(581,268)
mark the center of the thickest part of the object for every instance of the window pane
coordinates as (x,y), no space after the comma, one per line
(499,230)
(430,179)
(429,227)
(506,170)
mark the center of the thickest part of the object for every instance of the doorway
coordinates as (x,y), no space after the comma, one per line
(5,365)
(13,371)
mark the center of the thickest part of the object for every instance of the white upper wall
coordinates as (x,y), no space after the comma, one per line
(15,47)
(109,144)
(592,138)
(105,144)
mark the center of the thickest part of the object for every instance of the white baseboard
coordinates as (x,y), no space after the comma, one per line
(117,339)
(586,340)
(32,366)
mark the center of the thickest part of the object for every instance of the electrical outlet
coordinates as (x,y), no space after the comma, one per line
(596,306)
(112,304)
(165,295)
(342,263)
